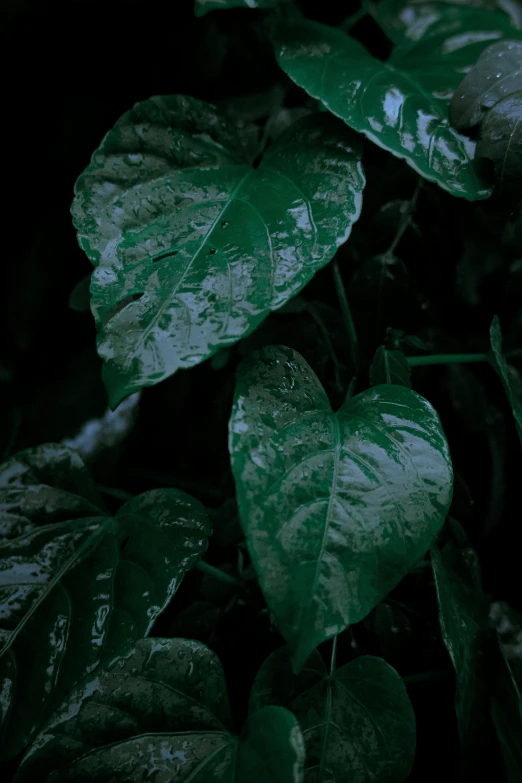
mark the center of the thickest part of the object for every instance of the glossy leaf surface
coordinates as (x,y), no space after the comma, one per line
(497,74)
(508,375)
(193,247)
(485,684)
(336,507)
(389,105)
(406,22)
(501,143)
(202,7)
(161,712)
(358,722)
(390,367)
(74,588)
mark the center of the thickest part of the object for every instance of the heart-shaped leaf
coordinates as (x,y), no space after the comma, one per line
(390,105)
(336,507)
(484,681)
(358,722)
(496,74)
(193,246)
(162,710)
(202,7)
(508,375)
(390,367)
(77,585)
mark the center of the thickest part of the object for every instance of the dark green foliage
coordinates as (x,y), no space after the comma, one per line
(259,510)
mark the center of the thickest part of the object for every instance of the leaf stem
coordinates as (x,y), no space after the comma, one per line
(352,20)
(353,342)
(333,659)
(406,219)
(439,675)
(206,568)
(447,358)
(121,494)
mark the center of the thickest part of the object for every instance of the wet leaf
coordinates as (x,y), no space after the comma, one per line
(80,295)
(508,375)
(77,585)
(390,367)
(408,21)
(162,709)
(496,74)
(193,247)
(389,103)
(202,7)
(358,722)
(336,507)
(501,143)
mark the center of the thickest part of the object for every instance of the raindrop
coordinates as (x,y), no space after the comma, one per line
(224,223)
(212,251)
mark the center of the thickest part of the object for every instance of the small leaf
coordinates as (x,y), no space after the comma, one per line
(501,143)
(358,723)
(390,367)
(162,709)
(496,74)
(336,507)
(193,247)
(508,375)
(385,102)
(202,7)
(77,585)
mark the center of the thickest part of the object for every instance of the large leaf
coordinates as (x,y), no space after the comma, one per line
(391,106)
(501,143)
(358,722)
(406,21)
(336,507)
(390,367)
(508,375)
(161,712)
(484,681)
(202,7)
(193,247)
(496,74)
(438,57)
(75,588)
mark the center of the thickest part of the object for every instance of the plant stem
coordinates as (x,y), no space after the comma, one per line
(440,675)
(406,219)
(121,494)
(353,342)
(333,659)
(218,573)
(447,358)
(352,20)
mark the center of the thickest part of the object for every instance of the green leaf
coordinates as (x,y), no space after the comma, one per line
(438,60)
(510,378)
(358,722)
(484,680)
(390,367)
(77,585)
(389,105)
(193,247)
(162,709)
(336,507)
(463,615)
(405,21)
(496,74)
(202,7)
(501,143)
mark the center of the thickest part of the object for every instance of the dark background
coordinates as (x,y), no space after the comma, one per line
(69,71)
